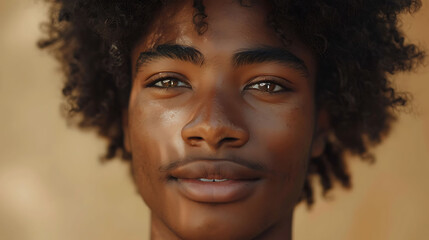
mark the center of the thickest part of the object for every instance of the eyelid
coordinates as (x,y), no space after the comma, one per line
(155,78)
(268,78)
(282,82)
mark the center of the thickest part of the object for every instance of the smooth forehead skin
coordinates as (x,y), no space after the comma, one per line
(221,111)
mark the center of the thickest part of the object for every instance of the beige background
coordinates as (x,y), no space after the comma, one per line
(53,187)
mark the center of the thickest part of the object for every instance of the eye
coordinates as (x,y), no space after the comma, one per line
(168,82)
(270,87)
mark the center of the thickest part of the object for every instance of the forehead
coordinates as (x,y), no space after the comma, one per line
(231,28)
(226,20)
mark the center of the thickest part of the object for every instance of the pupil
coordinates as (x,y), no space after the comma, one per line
(169,83)
(267,86)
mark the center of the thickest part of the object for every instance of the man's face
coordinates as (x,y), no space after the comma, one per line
(222,152)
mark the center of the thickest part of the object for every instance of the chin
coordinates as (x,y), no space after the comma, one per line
(215,229)
(219,221)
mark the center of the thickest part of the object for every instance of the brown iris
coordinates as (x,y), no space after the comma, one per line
(167,83)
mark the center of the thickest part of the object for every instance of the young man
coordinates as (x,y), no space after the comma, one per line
(226,108)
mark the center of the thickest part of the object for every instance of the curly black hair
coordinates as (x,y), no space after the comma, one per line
(358,42)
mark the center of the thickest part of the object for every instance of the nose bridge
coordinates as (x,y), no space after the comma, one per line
(213,111)
(215,121)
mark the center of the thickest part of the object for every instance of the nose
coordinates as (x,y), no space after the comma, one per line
(217,123)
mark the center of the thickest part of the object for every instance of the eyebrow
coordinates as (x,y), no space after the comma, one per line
(269,54)
(240,58)
(173,51)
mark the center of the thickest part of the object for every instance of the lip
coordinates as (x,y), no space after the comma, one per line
(237,181)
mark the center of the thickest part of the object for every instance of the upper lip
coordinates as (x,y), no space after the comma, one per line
(215,169)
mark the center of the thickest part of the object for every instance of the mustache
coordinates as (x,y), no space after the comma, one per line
(241,161)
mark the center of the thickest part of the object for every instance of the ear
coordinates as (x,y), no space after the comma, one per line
(125,129)
(320,133)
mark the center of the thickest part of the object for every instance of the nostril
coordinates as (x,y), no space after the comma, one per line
(195,138)
(229,139)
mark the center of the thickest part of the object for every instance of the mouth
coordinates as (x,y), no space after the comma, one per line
(212,180)
(215,181)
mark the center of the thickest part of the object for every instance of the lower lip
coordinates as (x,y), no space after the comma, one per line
(216,192)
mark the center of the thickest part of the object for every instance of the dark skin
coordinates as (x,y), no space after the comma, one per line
(210,107)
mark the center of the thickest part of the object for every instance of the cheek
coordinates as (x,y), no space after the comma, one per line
(155,136)
(285,142)
(153,129)
(286,135)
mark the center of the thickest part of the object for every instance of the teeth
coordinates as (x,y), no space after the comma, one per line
(212,180)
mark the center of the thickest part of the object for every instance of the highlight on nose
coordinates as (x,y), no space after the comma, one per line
(214,129)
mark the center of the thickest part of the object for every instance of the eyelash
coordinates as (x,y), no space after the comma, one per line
(152,84)
(264,82)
